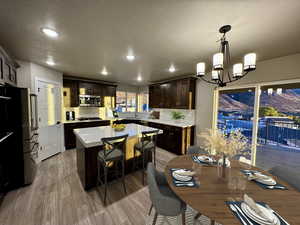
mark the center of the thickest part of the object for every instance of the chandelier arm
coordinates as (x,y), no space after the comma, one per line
(238,78)
(211,82)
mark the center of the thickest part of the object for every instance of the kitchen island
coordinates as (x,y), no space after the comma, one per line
(88,144)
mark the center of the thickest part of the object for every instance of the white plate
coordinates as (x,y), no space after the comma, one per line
(258,219)
(181,177)
(269,181)
(204,158)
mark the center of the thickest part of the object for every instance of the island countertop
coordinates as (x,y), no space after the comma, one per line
(91,137)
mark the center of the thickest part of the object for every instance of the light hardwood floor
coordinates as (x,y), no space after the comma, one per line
(57,197)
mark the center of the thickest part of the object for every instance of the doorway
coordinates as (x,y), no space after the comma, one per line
(49,114)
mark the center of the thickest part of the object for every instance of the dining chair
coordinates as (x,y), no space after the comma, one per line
(146,145)
(164,200)
(112,154)
(196,150)
(287,174)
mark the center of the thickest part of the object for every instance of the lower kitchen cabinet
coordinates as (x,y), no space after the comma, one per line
(70,139)
(174,139)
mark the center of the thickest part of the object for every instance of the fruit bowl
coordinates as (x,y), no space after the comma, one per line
(119,127)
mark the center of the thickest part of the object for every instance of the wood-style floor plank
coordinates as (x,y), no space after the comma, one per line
(57,198)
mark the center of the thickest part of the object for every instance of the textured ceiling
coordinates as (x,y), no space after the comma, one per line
(97,33)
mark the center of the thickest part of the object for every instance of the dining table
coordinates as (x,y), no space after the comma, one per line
(214,189)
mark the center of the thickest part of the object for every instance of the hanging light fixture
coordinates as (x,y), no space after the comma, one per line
(221,75)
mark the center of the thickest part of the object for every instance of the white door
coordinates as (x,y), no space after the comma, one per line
(49,113)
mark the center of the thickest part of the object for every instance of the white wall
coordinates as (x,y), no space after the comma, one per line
(277,69)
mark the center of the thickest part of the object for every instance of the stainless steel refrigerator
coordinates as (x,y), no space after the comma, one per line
(19,137)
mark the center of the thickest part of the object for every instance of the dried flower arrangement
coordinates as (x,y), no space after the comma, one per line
(217,142)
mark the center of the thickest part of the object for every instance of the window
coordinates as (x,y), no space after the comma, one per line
(143,102)
(126,101)
(121,101)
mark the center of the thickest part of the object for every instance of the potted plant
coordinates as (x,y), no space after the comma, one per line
(176,115)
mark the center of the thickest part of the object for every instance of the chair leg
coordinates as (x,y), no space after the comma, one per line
(155,218)
(105,183)
(123,175)
(134,161)
(143,169)
(197,216)
(183,218)
(150,210)
(212,222)
(154,158)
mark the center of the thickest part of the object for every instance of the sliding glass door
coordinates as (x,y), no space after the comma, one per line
(269,116)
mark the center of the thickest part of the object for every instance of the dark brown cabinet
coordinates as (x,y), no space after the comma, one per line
(174,139)
(70,139)
(177,94)
(71,93)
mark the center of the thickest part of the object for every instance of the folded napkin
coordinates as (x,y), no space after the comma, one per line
(252,204)
(185,173)
(180,183)
(195,159)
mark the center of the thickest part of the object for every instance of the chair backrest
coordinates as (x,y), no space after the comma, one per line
(196,150)
(113,143)
(287,174)
(165,202)
(149,136)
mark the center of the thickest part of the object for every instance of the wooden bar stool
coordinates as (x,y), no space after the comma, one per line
(146,145)
(113,152)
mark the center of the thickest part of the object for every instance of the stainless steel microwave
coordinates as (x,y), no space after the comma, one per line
(89,101)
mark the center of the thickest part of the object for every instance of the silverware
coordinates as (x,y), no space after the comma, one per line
(277,214)
(275,187)
(239,215)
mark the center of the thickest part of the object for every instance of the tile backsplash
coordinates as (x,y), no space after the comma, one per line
(165,114)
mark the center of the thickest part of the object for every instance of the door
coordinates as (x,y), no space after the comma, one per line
(49,113)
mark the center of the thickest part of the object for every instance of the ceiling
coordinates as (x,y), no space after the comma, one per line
(97,33)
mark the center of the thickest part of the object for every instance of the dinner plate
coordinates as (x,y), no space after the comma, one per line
(181,177)
(205,159)
(269,181)
(258,219)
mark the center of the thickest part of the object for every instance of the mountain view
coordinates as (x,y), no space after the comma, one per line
(287,102)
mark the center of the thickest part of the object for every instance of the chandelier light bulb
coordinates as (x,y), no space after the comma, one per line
(279,91)
(215,75)
(270,91)
(250,62)
(104,71)
(218,61)
(200,69)
(237,70)
(172,69)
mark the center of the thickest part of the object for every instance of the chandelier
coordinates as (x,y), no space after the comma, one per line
(221,74)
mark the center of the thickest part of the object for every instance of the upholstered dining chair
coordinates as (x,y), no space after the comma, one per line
(164,200)
(196,150)
(287,174)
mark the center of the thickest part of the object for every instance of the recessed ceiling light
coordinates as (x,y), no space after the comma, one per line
(50,62)
(49,32)
(104,71)
(139,78)
(130,57)
(172,69)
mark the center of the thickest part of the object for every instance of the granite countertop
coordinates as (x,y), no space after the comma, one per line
(91,137)
(81,121)
(182,124)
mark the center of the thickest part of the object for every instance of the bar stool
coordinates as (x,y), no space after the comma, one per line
(146,145)
(113,152)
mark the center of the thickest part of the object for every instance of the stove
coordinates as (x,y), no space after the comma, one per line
(89,118)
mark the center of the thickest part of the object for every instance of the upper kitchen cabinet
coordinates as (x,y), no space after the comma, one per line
(8,69)
(71,93)
(87,88)
(176,94)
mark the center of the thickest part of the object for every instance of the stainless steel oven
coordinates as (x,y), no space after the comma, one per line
(89,100)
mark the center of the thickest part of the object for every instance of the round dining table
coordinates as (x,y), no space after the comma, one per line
(210,196)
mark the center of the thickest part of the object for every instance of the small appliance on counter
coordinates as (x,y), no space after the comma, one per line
(70,115)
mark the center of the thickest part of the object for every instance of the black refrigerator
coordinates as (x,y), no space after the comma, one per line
(18,137)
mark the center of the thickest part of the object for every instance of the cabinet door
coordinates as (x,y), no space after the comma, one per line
(155,95)
(182,97)
(6,71)
(71,93)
